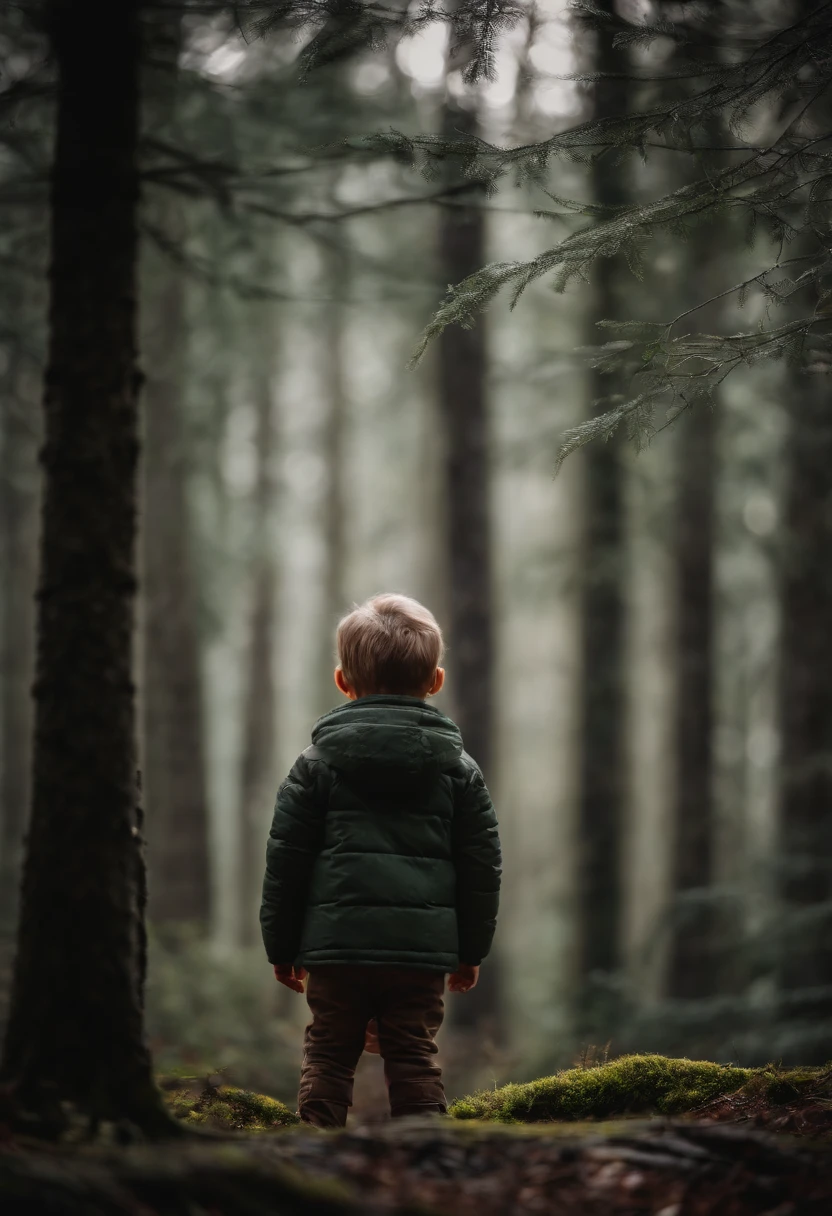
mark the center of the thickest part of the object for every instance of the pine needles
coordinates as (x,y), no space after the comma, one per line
(775,190)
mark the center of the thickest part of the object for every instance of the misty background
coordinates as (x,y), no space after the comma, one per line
(619,635)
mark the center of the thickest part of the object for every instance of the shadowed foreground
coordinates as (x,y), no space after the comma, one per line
(673,1168)
(558,1155)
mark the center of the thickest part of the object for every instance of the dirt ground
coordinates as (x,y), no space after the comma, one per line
(763,1150)
(654,1167)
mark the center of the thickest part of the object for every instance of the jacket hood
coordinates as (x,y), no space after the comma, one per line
(384,737)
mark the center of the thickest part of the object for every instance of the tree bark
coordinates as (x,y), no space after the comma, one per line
(464,416)
(258,759)
(464,413)
(806,707)
(601,788)
(75,1032)
(335,530)
(805,695)
(173,728)
(694,969)
(692,966)
(173,736)
(18,535)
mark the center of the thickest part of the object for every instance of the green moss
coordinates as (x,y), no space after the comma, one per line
(780,1086)
(628,1085)
(230,1108)
(180,1102)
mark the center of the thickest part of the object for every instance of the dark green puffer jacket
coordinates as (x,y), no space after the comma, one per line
(384,845)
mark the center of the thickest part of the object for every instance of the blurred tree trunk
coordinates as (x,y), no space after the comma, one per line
(259,712)
(174,769)
(462,398)
(18,537)
(173,737)
(464,416)
(806,694)
(335,529)
(806,705)
(696,964)
(75,1030)
(692,965)
(601,790)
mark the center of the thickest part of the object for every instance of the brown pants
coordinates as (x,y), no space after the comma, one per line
(408,1006)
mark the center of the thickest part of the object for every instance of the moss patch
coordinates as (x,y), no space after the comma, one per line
(225,1106)
(628,1085)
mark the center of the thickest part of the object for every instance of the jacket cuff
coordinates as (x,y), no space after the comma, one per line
(280,958)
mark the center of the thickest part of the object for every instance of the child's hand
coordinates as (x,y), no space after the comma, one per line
(289,976)
(371,1038)
(464,978)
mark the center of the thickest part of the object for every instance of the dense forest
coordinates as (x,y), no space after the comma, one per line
(224,229)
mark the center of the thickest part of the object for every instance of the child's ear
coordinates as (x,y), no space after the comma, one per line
(438,682)
(342,685)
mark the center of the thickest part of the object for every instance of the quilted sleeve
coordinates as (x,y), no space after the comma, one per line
(478,869)
(295,839)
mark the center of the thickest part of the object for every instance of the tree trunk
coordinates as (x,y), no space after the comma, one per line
(173,736)
(806,707)
(172,708)
(335,530)
(692,966)
(805,695)
(464,416)
(75,1032)
(462,397)
(259,742)
(18,535)
(694,969)
(601,789)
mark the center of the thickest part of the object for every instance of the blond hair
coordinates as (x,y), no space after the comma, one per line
(389,644)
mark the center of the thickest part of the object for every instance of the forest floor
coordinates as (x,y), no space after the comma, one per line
(760,1144)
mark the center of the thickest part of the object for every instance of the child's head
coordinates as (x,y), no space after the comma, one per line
(390,644)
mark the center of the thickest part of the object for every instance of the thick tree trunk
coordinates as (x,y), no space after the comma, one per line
(601,791)
(692,967)
(464,414)
(806,708)
(172,706)
(173,735)
(18,537)
(75,1032)
(259,742)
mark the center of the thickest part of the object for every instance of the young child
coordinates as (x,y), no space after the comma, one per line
(382,867)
